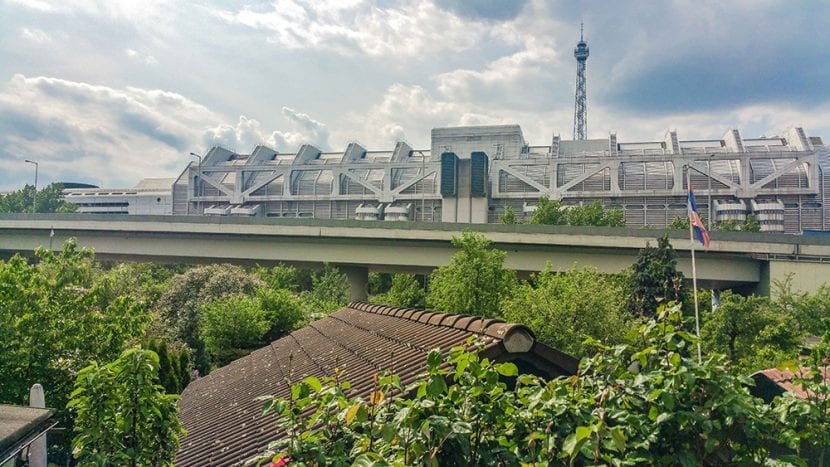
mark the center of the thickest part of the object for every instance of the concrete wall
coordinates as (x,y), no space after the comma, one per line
(806,276)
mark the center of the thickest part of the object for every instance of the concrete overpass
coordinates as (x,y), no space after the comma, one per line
(750,261)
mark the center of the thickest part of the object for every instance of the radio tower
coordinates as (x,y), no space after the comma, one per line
(581,103)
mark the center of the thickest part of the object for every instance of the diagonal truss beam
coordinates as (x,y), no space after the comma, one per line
(778,173)
(356,178)
(706,172)
(585,176)
(539,187)
(408,184)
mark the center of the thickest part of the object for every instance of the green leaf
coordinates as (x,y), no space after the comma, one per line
(583,432)
(618,437)
(313,383)
(507,369)
(433,360)
(369,459)
(462,428)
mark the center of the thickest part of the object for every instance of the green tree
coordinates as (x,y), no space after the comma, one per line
(405,291)
(508,216)
(49,199)
(563,309)
(174,363)
(279,277)
(548,212)
(56,317)
(748,330)
(180,306)
(594,215)
(330,291)
(751,224)
(231,326)
(143,283)
(809,313)
(283,311)
(123,416)
(475,281)
(654,278)
(379,282)
(679,223)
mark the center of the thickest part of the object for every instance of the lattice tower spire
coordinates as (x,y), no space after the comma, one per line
(581,101)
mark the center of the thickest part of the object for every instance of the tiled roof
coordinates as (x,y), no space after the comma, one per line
(784,380)
(224,419)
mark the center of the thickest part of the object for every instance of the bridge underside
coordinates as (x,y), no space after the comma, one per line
(359,248)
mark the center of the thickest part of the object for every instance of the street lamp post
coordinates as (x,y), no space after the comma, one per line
(34,196)
(199,169)
(709,192)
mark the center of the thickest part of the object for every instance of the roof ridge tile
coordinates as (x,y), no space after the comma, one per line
(491,327)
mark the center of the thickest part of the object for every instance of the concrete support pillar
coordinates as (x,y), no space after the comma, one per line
(358,281)
(37,450)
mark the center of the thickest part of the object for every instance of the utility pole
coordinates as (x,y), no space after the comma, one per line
(34,196)
(199,183)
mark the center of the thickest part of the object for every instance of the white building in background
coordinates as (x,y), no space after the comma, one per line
(472,174)
(150,196)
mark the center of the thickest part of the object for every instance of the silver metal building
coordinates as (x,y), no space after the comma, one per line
(471,174)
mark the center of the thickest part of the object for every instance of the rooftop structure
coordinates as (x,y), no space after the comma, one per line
(472,174)
(223,416)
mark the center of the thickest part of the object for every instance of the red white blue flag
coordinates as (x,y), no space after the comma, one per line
(697,225)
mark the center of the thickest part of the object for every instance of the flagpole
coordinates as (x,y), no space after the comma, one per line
(694,267)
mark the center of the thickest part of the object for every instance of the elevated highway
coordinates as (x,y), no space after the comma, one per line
(751,261)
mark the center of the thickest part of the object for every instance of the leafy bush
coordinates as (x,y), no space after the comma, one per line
(231,325)
(123,416)
(56,317)
(283,312)
(475,281)
(654,279)
(643,402)
(563,309)
(180,306)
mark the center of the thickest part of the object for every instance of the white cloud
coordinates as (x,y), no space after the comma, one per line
(146,58)
(248,133)
(83,132)
(412,30)
(36,35)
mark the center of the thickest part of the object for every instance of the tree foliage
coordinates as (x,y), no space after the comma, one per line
(679,223)
(641,402)
(55,318)
(508,216)
(654,278)
(330,291)
(750,332)
(750,224)
(231,326)
(180,306)
(475,281)
(49,199)
(594,214)
(123,416)
(405,291)
(284,312)
(283,277)
(563,309)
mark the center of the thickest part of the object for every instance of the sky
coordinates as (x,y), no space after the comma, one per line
(109,92)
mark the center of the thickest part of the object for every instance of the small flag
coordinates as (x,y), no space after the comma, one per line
(715,300)
(699,229)
(52,233)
